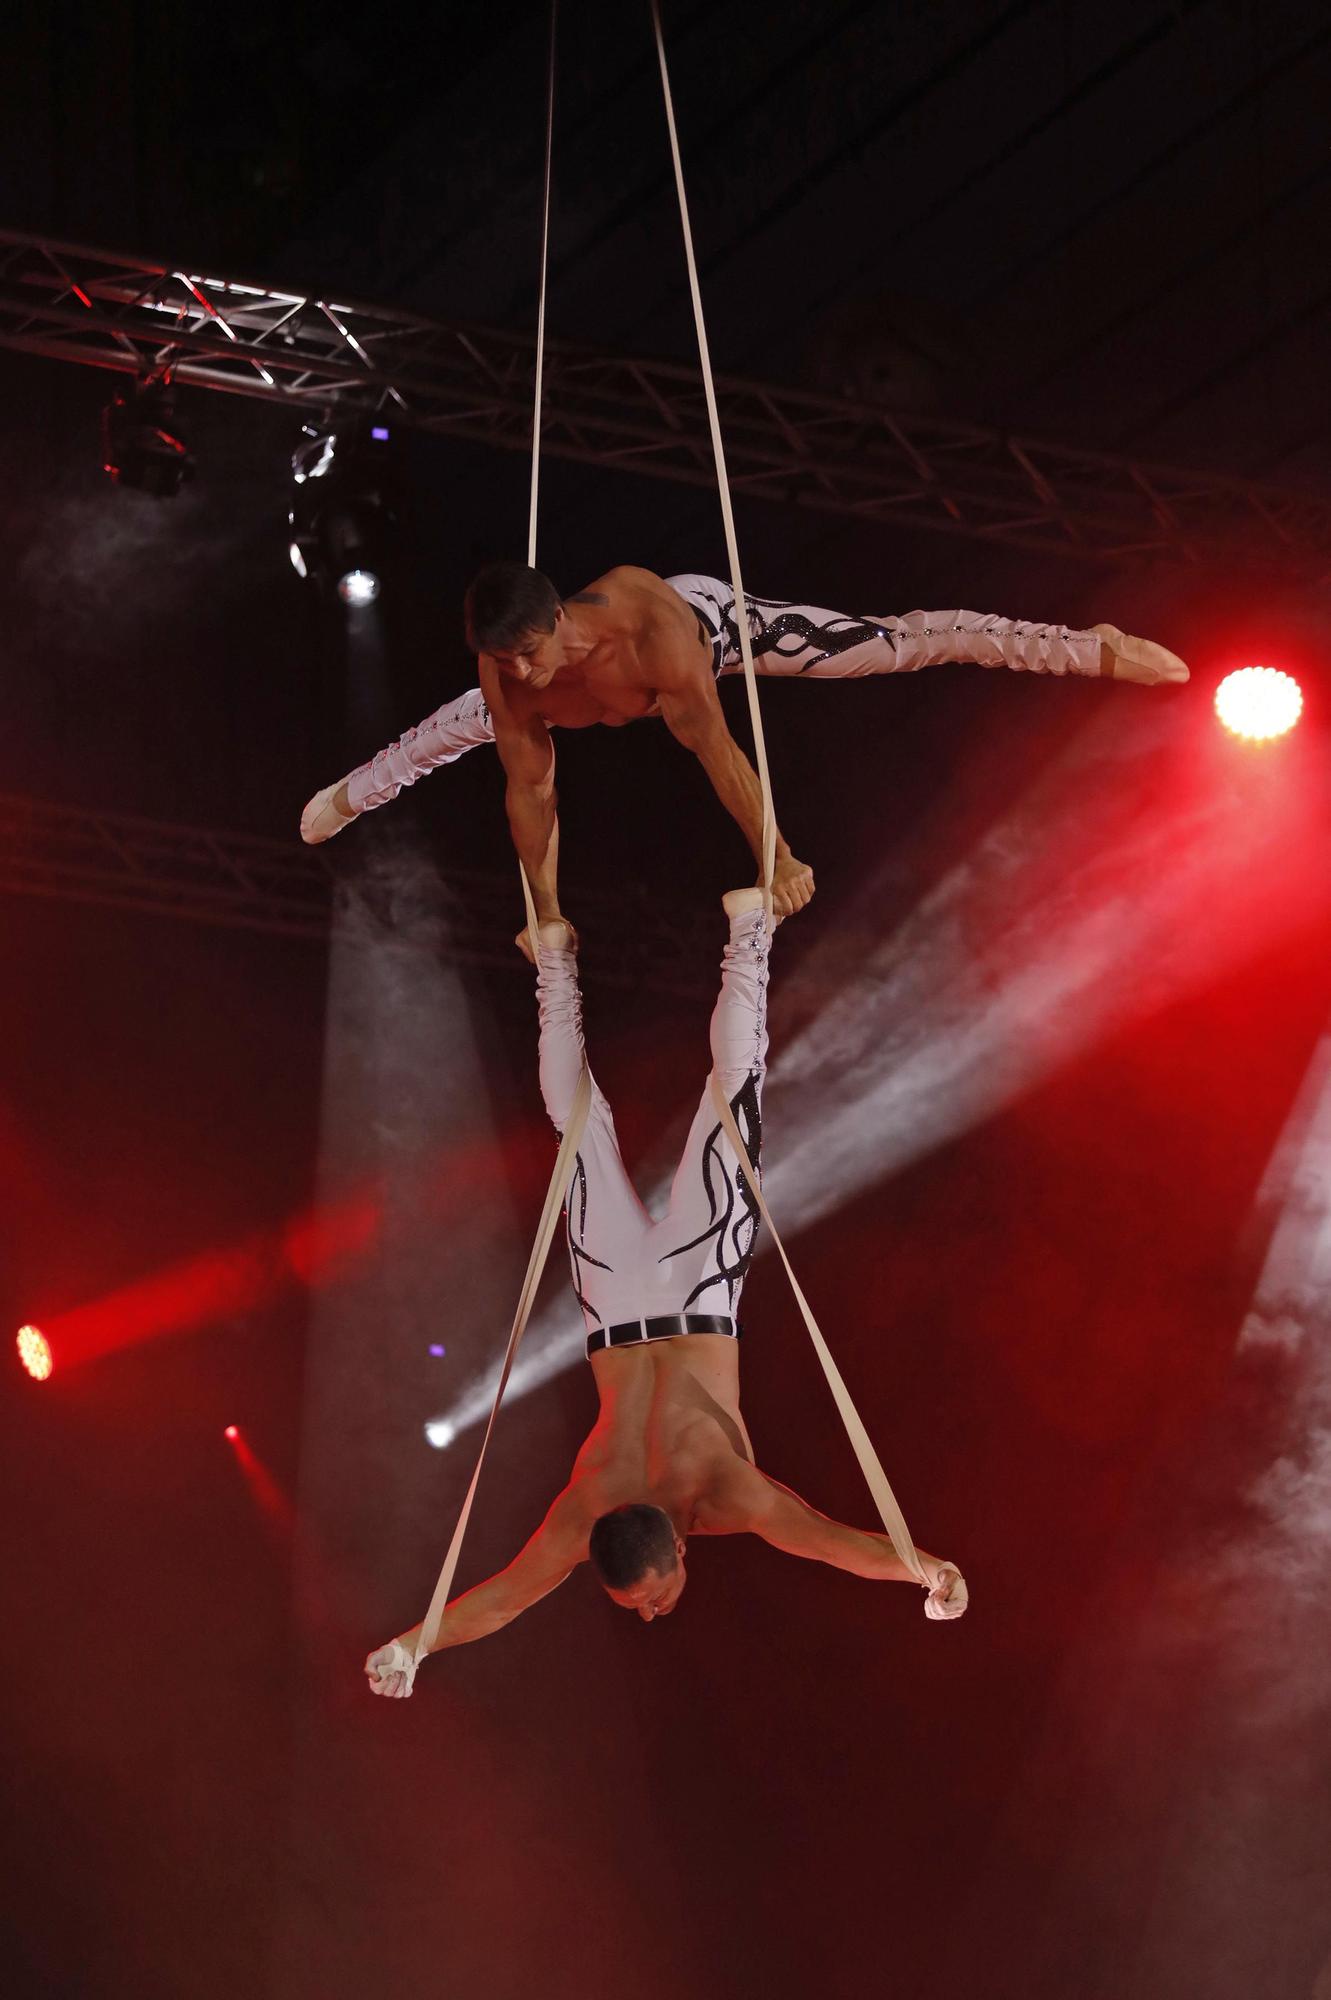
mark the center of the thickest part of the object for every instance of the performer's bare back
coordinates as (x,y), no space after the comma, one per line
(670,1431)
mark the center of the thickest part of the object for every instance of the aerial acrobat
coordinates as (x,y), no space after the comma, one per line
(633,644)
(669,1456)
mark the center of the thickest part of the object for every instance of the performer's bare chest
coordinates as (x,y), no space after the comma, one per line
(605,690)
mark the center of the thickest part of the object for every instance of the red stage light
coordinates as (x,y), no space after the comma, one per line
(268,1496)
(1258,703)
(34,1351)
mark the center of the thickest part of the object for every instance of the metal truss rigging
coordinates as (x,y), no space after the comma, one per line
(244,882)
(321,354)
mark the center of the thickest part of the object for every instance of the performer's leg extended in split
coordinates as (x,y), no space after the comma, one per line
(806,641)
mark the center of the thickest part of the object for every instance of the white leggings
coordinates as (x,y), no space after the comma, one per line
(804,640)
(627,1266)
(801,640)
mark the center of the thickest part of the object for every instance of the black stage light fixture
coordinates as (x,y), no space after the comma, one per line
(340,519)
(141,442)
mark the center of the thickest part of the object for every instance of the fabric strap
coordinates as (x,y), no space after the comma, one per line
(550,1213)
(568,1147)
(723,484)
(884,1498)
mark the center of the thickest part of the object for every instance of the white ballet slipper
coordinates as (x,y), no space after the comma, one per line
(321,819)
(1141,660)
(939,1603)
(392,1670)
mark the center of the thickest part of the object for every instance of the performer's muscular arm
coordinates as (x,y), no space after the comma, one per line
(534,1572)
(760,1505)
(527,751)
(554,1551)
(691,708)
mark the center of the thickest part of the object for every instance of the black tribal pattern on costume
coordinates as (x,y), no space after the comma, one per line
(768,633)
(578,1255)
(730,1203)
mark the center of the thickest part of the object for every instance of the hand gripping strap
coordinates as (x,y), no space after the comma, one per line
(889,1513)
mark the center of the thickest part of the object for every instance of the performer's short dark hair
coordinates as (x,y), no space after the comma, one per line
(506,603)
(628,1542)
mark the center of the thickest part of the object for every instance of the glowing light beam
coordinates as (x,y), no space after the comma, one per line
(1072,917)
(317,1248)
(274,1505)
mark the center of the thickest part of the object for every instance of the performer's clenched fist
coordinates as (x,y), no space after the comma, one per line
(948,1596)
(392,1670)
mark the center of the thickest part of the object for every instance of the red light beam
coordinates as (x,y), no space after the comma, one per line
(272,1502)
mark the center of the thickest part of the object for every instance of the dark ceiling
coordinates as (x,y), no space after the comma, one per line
(1098,222)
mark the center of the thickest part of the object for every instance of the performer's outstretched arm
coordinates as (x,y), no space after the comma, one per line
(757,1504)
(554,1551)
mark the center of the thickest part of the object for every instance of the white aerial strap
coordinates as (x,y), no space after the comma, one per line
(568,1149)
(545,1234)
(723,487)
(870,1465)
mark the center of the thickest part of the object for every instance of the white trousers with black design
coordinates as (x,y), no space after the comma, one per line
(798,640)
(804,640)
(628,1265)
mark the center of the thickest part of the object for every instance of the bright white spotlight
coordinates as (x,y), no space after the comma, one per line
(1258,703)
(440,1434)
(34,1351)
(358,588)
(297,559)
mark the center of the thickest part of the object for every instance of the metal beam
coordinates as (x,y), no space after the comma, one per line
(324,354)
(242,882)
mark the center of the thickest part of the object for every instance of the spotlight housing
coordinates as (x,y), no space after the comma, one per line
(341,519)
(142,446)
(313,457)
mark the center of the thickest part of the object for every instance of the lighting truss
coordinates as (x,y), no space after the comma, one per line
(321,353)
(245,882)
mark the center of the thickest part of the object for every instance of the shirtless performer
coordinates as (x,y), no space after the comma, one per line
(669,1456)
(633,644)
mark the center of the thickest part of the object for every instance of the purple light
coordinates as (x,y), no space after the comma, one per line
(379,432)
(437,1351)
